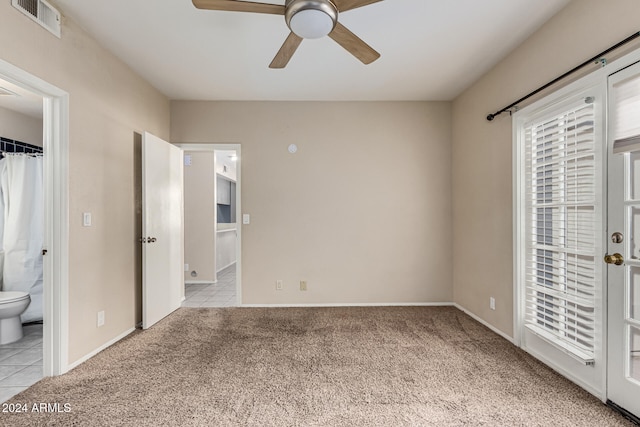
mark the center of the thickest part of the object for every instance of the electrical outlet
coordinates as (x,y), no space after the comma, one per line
(279,285)
(100,318)
(492,303)
(303,285)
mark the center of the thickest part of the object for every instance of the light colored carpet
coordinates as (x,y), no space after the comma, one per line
(386,366)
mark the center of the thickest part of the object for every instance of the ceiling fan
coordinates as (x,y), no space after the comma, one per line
(307,19)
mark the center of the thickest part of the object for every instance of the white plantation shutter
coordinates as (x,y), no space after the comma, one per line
(563,222)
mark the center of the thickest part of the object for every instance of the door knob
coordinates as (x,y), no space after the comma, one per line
(616,259)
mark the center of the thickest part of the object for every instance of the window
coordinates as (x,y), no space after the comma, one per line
(561,227)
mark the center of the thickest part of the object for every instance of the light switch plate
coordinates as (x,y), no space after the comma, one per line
(86,219)
(246,219)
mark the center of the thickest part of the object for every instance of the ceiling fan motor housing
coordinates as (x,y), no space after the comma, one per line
(311,19)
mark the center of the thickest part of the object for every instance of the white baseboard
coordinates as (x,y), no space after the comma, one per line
(484,322)
(366,304)
(99,349)
(200,282)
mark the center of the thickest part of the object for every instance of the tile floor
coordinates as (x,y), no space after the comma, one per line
(221,294)
(21,362)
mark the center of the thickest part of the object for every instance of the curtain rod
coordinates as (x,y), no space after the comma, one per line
(595,59)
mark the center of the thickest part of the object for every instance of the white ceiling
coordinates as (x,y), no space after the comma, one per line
(431,49)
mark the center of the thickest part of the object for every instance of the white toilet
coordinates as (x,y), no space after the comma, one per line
(12,305)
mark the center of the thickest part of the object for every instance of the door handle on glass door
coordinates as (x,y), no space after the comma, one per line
(617,237)
(616,259)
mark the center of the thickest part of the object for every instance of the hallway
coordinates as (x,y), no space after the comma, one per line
(220,294)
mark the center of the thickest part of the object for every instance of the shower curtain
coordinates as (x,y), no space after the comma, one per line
(22,228)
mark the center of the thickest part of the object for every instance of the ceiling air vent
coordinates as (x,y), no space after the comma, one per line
(41,12)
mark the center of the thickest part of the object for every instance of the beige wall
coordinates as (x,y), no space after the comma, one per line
(108,104)
(199,216)
(20,127)
(482,154)
(362,211)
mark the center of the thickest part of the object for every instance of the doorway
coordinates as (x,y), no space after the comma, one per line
(212,225)
(21,221)
(55,124)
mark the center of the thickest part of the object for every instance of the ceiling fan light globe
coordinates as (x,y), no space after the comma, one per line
(311,24)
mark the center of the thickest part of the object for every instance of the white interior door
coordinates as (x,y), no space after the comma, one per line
(162,229)
(623,371)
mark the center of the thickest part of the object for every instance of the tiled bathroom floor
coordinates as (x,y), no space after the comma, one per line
(221,294)
(21,362)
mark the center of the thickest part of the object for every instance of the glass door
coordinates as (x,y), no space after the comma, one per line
(623,255)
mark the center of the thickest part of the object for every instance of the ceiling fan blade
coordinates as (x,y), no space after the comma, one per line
(239,6)
(344,5)
(286,51)
(353,44)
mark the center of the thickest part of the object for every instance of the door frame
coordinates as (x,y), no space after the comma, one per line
(238,149)
(55,123)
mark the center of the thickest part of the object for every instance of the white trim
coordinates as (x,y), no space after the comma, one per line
(58,231)
(238,150)
(518,238)
(99,349)
(364,304)
(200,282)
(484,322)
(56,177)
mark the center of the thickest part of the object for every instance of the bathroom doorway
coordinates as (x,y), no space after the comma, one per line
(51,356)
(212,225)
(21,237)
